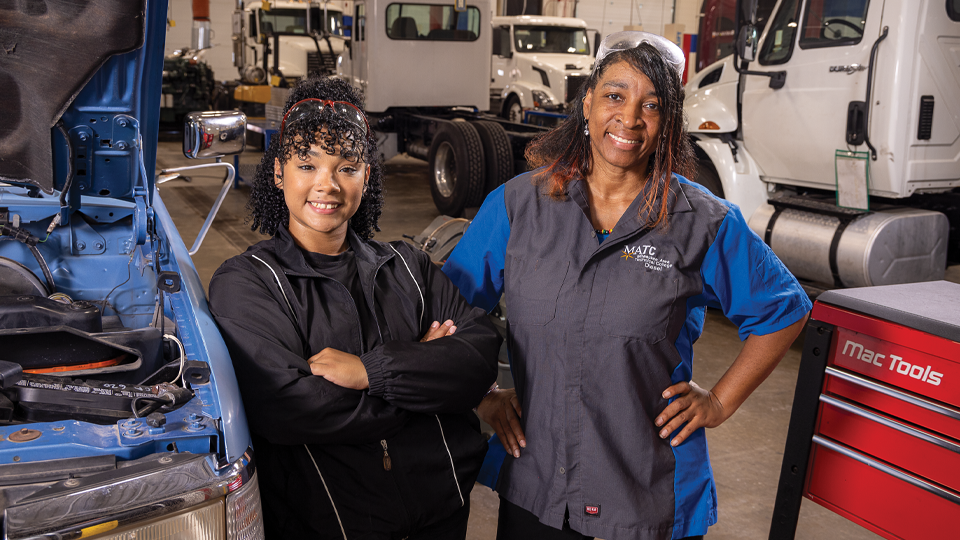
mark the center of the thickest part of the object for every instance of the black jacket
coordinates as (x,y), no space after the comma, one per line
(320,447)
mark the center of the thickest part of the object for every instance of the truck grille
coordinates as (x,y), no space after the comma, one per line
(317,64)
(925,127)
(574,82)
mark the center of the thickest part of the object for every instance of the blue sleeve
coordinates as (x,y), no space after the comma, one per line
(746,279)
(476,264)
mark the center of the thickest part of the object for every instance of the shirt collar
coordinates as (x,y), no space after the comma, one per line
(635,216)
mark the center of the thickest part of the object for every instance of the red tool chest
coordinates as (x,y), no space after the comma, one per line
(875,428)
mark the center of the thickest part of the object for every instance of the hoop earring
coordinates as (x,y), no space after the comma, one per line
(586,128)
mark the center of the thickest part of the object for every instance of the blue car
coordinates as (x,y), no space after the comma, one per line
(120,415)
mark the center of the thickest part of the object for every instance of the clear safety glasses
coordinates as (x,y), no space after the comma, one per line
(313,106)
(622,41)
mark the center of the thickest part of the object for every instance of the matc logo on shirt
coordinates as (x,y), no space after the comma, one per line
(647,255)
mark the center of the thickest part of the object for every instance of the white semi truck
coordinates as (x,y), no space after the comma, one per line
(836,129)
(538,63)
(424,69)
(286,39)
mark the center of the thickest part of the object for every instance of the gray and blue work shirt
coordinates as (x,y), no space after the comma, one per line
(598,330)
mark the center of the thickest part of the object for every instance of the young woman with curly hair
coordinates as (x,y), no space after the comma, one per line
(359,406)
(608,258)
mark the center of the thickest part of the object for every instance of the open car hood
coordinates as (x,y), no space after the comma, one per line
(82,73)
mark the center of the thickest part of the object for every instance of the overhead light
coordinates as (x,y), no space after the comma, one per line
(709,125)
(792,24)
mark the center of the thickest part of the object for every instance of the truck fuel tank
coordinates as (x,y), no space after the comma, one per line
(823,243)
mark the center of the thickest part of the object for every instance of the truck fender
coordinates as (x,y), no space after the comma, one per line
(712,108)
(740,178)
(522,90)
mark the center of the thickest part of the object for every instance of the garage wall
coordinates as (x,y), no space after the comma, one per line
(605,15)
(612,15)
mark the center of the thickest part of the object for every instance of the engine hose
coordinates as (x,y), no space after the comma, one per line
(68,183)
(52,288)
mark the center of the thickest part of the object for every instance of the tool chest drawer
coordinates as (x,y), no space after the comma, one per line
(934,416)
(898,443)
(880,500)
(933,375)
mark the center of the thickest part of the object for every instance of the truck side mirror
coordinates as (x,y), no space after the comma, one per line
(747,42)
(211,134)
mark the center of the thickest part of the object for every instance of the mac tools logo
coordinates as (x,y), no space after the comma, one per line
(646,255)
(896,363)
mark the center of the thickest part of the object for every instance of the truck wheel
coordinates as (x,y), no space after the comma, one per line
(456,167)
(512,110)
(497,154)
(707,177)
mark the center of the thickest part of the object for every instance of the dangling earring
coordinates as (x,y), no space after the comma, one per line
(586,128)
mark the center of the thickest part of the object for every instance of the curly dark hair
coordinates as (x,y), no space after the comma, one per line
(566,152)
(268,211)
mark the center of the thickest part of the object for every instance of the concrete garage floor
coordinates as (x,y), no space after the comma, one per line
(746,451)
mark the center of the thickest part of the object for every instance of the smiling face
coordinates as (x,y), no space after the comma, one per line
(623,114)
(322,192)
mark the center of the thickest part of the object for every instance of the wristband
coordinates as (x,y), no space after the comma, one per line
(492,389)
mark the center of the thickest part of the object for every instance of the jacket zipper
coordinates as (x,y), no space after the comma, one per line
(387,463)
(453,468)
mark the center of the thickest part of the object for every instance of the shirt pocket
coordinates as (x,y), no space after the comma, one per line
(534,287)
(639,303)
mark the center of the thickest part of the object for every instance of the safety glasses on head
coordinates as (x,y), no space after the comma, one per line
(622,41)
(312,106)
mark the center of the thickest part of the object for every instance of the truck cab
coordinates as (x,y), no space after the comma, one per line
(424,68)
(120,415)
(835,129)
(290,40)
(538,62)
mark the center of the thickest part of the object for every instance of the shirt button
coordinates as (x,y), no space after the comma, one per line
(562,470)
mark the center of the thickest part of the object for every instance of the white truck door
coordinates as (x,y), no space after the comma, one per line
(359,48)
(502,59)
(823,46)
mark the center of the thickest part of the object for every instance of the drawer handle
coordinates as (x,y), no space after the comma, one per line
(897,394)
(892,424)
(894,472)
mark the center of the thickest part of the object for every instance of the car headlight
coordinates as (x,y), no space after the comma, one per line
(241,512)
(200,523)
(244,513)
(159,497)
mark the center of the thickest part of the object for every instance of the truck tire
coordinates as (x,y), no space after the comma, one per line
(497,154)
(456,168)
(707,177)
(512,110)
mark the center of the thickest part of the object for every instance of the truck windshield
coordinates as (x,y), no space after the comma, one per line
(717,32)
(283,20)
(334,22)
(550,39)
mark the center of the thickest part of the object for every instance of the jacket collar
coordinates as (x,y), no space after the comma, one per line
(292,261)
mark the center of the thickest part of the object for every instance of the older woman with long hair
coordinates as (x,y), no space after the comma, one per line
(608,257)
